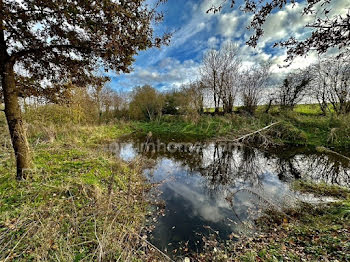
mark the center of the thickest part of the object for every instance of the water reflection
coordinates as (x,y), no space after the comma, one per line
(219,188)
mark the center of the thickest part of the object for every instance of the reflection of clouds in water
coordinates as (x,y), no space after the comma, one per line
(164,170)
(127,152)
(270,191)
(273,187)
(208,209)
(196,186)
(189,186)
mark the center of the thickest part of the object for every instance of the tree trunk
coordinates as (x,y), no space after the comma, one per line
(267,110)
(230,104)
(12,108)
(14,121)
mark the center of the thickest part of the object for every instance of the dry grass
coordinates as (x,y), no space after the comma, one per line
(79,204)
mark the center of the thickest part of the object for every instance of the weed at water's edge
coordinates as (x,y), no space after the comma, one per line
(79,202)
(321,189)
(293,128)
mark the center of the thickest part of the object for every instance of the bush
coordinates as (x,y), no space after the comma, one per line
(286,131)
(61,114)
(146,103)
(339,135)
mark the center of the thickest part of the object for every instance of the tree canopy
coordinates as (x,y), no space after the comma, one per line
(64,41)
(54,38)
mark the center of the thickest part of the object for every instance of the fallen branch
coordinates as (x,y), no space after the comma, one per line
(250,134)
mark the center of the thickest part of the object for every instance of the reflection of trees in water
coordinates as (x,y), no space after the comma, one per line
(326,168)
(225,165)
(236,174)
(312,166)
(250,168)
(222,165)
(286,169)
(219,169)
(230,167)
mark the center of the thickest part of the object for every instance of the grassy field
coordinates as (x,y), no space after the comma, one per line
(302,127)
(79,204)
(303,233)
(308,109)
(205,128)
(82,204)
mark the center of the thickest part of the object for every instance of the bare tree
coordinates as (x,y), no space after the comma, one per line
(229,76)
(219,75)
(106,100)
(253,82)
(293,89)
(195,97)
(339,84)
(210,74)
(331,84)
(319,88)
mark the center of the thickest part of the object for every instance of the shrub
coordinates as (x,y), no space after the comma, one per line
(288,132)
(146,103)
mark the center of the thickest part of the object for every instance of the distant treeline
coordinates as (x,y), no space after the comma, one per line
(222,82)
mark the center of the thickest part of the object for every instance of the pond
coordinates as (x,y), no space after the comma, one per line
(211,188)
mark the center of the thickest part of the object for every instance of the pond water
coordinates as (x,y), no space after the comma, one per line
(210,188)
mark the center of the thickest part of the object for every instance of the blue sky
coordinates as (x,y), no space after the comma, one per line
(195,31)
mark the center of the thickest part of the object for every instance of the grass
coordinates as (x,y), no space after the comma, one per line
(308,109)
(329,131)
(205,128)
(82,204)
(79,204)
(321,189)
(303,233)
(294,128)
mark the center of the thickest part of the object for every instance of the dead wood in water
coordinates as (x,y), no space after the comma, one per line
(265,140)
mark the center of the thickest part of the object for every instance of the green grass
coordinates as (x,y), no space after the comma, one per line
(321,189)
(79,202)
(80,199)
(205,127)
(308,109)
(328,131)
(293,128)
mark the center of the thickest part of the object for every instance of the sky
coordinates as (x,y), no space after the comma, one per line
(195,31)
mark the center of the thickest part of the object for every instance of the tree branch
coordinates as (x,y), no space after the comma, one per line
(22,53)
(250,134)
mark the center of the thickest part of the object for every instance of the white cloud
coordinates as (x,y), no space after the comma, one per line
(169,73)
(228,24)
(298,63)
(290,22)
(159,69)
(213,42)
(285,23)
(232,24)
